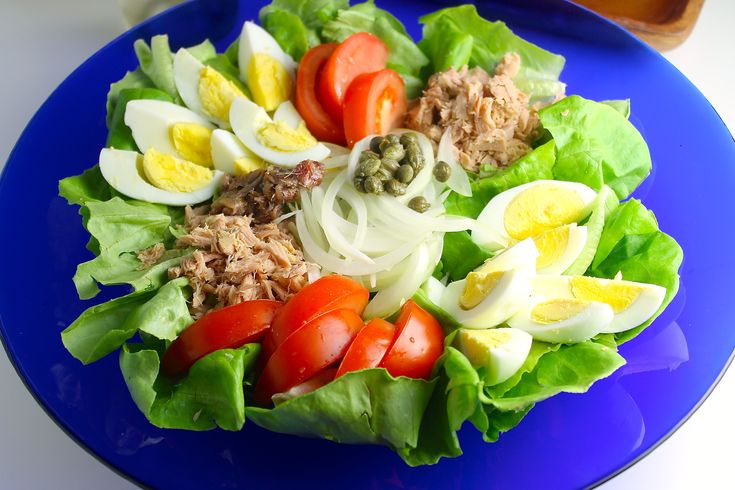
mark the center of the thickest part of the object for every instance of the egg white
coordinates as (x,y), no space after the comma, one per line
(521,256)
(253,40)
(575,245)
(505,358)
(580,327)
(187,74)
(120,170)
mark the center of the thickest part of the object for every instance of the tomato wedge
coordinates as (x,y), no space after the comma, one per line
(326,294)
(374,103)
(369,347)
(227,328)
(419,343)
(319,122)
(312,384)
(307,351)
(360,53)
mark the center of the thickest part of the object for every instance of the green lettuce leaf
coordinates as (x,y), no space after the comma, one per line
(596,145)
(157,63)
(622,106)
(103,328)
(120,136)
(445,41)
(132,80)
(210,395)
(361,407)
(87,186)
(632,244)
(461,255)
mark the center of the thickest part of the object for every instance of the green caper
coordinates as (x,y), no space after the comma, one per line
(408,138)
(395,188)
(414,157)
(375,143)
(367,167)
(388,140)
(373,185)
(419,204)
(394,152)
(442,171)
(359,183)
(384,174)
(390,165)
(405,173)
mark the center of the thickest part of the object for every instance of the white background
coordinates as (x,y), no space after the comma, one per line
(44,40)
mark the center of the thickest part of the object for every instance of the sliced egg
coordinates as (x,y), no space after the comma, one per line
(487,300)
(499,351)
(559,247)
(522,256)
(174,174)
(231,156)
(532,209)
(562,320)
(170,128)
(203,89)
(633,303)
(266,68)
(274,141)
(123,171)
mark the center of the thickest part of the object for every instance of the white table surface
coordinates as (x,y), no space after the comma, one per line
(44,40)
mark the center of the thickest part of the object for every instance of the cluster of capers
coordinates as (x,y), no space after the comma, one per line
(390,165)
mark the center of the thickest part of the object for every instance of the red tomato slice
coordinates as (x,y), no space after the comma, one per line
(321,124)
(326,294)
(227,328)
(375,103)
(419,343)
(369,347)
(308,350)
(312,384)
(360,53)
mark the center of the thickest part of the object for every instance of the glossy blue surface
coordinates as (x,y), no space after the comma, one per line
(569,441)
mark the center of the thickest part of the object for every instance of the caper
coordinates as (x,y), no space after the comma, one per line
(359,183)
(442,171)
(367,166)
(389,139)
(395,188)
(390,164)
(414,157)
(375,143)
(419,204)
(373,185)
(384,174)
(394,152)
(408,138)
(405,173)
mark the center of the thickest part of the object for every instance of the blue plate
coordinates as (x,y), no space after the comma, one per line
(568,441)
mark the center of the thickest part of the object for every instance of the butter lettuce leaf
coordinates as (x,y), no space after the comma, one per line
(210,395)
(460,255)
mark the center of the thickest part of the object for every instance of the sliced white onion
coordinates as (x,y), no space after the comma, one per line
(458,181)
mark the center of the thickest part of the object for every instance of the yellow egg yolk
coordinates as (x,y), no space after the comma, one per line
(192,142)
(245,165)
(478,286)
(619,295)
(282,137)
(557,310)
(174,174)
(269,81)
(550,245)
(217,93)
(542,208)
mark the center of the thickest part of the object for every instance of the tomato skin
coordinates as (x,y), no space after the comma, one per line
(227,328)
(326,294)
(307,351)
(369,347)
(418,343)
(319,122)
(360,53)
(375,103)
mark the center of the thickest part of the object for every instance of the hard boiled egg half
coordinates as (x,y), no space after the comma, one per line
(276,140)
(157,177)
(170,129)
(231,156)
(500,352)
(203,89)
(532,209)
(632,303)
(267,70)
(495,291)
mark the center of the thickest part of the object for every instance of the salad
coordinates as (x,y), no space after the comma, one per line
(332,231)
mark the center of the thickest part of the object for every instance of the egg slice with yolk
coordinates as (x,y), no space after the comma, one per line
(559,247)
(633,303)
(531,209)
(274,141)
(266,69)
(521,256)
(562,320)
(499,352)
(125,172)
(171,129)
(203,89)
(231,156)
